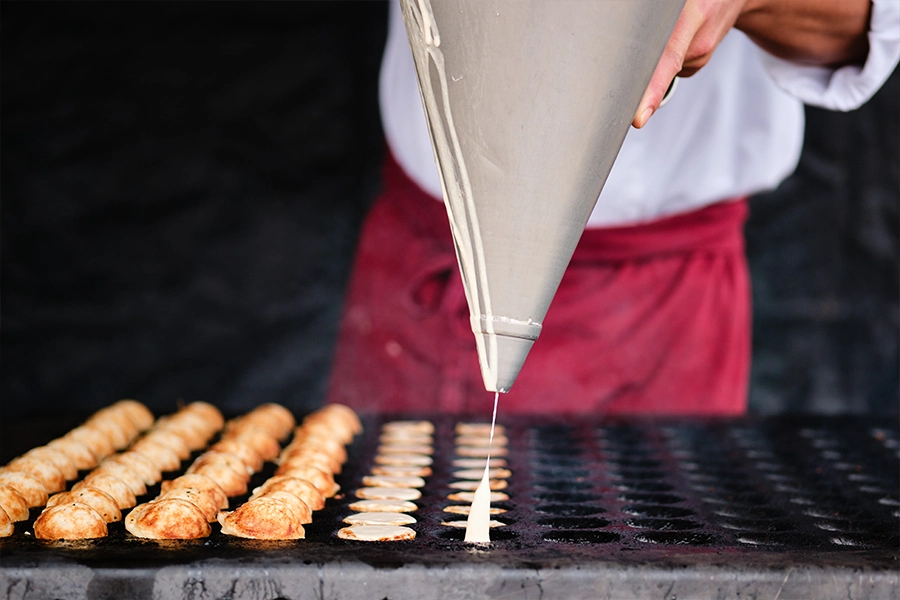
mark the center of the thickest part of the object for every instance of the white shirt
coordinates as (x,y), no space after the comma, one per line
(733,129)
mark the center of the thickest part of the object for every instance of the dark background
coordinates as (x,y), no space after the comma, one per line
(182,185)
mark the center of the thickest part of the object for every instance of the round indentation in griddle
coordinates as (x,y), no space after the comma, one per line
(561,473)
(565,485)
(663,524)
(632,463)
(544,460)
(731,487)
(748,499)
(498,534)
(641,475)
(747,512)
(657,512)
(756,525)
(652,498)
(573,522)
(582,537)
(564,496)
(676,538)
(568,510)
(643,486)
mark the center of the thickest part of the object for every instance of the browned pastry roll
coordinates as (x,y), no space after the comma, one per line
(323,480)
(265,519)
(272,418)
(142,466)
(116,426)
(162,457)
(304,512)
(139,414)
(301,488)
(198,482)
(324,424)
(329,445)
(6,525)
(59,459)
(260,440)
(74,521)
(167,519)
(245,452)
(100,501)
(31,489)
(131,478)
(79,453)
(112,485)
(13,503)
(95,439)
(209,413)
(345,414)
(198,498)
(226,469)
(187,426)
(167,438)
(313,458)
(41,469)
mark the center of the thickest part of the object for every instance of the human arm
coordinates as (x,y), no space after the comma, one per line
(827,33)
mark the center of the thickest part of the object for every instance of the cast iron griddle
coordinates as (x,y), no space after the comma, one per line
(642,508)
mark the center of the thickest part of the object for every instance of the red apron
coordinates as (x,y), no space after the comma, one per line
(652,318)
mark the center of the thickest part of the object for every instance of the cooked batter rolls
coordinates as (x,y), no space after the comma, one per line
(323,480)
(379,518)
(420,427)
(417,460)
(464,509)
(247,454)
(306,439)
(393,481)
(470,485)
(31,489)
(377,533)
(163,458)
(80,455)
(495,473)
(100,445)
(470,497)
(13,503)
(198,498)
(198,482)
(480,451)
(100,501)
(405,449)
(6,525)
(388,493)
(115,487)
(73,521)
(59,459)
(301,488)
(401,471)
(263,518)
(132,479)
(402,506)
(43,470)
(170,518)
(314,458)
(139,464)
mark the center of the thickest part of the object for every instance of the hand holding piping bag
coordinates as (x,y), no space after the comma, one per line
(819,32)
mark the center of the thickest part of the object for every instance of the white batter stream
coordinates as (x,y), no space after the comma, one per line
(478,525)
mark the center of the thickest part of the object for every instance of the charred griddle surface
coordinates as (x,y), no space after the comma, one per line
(691,501)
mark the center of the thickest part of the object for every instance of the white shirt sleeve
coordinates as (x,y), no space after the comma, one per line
(848,87)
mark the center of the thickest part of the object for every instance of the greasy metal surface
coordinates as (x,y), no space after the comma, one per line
(636,507)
